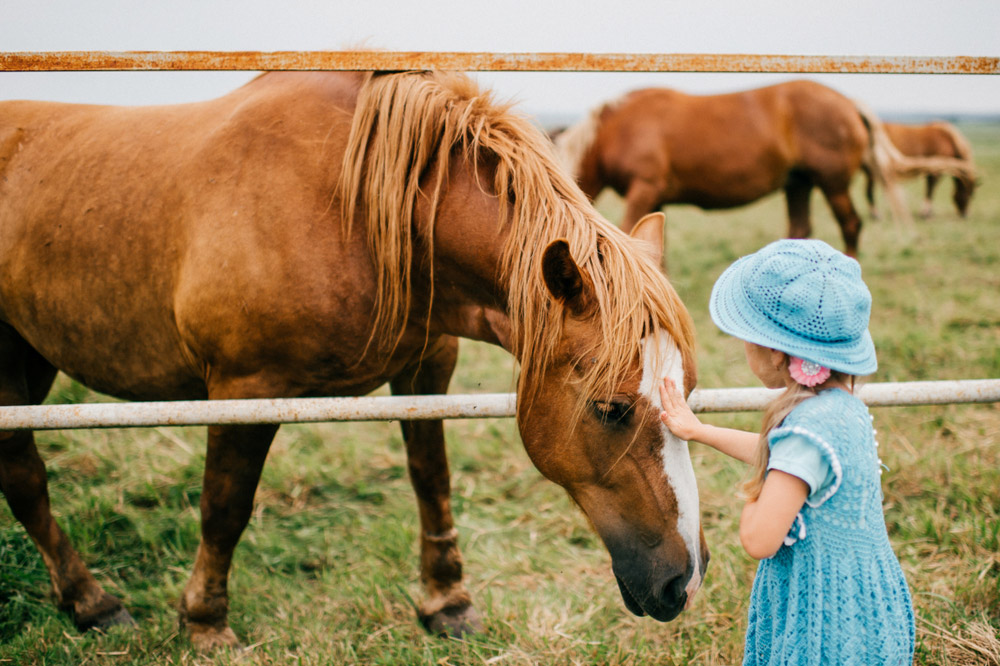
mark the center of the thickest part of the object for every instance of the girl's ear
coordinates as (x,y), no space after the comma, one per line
(779,359)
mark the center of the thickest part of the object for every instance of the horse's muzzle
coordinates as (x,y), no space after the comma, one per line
(662,602)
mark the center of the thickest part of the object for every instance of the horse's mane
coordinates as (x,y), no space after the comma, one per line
(573,142)
(406,123)
(962,145)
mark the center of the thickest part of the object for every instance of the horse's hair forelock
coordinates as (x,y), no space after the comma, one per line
(404,124)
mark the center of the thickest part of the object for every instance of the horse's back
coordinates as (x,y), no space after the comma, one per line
(936,139)
(143,249)
(715,150)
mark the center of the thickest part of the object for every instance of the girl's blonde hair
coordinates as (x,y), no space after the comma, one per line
(775,413)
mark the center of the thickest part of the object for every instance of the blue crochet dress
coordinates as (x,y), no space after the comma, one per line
(834,593)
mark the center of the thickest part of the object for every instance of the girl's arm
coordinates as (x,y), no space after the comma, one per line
(677,416)
(766,520)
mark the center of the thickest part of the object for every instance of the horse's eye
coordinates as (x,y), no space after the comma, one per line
(612,412)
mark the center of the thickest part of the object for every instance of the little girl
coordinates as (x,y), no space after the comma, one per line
(829,589)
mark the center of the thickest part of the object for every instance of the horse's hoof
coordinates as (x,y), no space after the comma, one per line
(454,622)
(120,618)
(109,613)
(206,638)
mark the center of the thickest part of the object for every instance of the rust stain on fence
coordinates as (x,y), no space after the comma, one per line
(39,61)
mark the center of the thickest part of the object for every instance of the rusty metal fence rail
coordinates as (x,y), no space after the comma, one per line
(39,61)
(305,410)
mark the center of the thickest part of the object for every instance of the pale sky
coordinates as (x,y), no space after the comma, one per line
(831,27)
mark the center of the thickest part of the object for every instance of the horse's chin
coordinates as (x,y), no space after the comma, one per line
(630,602)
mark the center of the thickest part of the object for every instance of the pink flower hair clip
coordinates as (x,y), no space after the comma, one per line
(807,373)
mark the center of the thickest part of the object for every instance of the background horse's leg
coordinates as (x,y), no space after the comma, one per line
(25,378)
(233,465)
(847,217)
(798,190)
(448,608)
(928,209)
(643,197)
(870,191)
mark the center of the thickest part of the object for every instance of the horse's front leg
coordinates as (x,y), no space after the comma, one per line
(642,198)
(927,210)
(233,465)
(448,607)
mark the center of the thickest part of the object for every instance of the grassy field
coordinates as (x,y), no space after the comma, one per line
(327,570)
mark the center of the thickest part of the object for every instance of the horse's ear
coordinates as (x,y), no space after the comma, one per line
(649,230)
(565,280)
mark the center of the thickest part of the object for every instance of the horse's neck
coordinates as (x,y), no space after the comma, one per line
(470,295)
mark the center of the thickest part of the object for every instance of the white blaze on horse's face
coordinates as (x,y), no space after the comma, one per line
(676,457)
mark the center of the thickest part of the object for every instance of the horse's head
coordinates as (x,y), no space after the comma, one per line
(964,187)
(630,475)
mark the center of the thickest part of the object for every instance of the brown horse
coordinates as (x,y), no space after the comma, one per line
(937,139)
(323,234)
(659,146)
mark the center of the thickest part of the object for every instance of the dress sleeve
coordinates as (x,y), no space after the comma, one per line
(799,452)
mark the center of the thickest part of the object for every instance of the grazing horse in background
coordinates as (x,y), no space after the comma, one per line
(319,233)
(937,139)
(658,146)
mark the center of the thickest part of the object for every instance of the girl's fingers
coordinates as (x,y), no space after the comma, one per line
(668,392)
(664,394)
(665,397)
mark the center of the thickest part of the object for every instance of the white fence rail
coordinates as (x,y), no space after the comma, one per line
(391,408)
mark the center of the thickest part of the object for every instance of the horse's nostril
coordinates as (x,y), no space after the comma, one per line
(674,593)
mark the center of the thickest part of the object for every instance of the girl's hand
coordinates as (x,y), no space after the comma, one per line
(676,414)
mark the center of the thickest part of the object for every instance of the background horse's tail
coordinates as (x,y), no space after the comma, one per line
(881,160)
(888,165)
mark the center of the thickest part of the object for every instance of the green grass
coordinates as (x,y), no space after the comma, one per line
(326,572)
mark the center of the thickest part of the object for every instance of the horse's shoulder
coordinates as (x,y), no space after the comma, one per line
(305,83)
(803,92)
(806,86)
(944,135)
(651,97)
(288,94)
(10,142)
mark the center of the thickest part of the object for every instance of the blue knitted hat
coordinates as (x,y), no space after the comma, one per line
(801,297)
